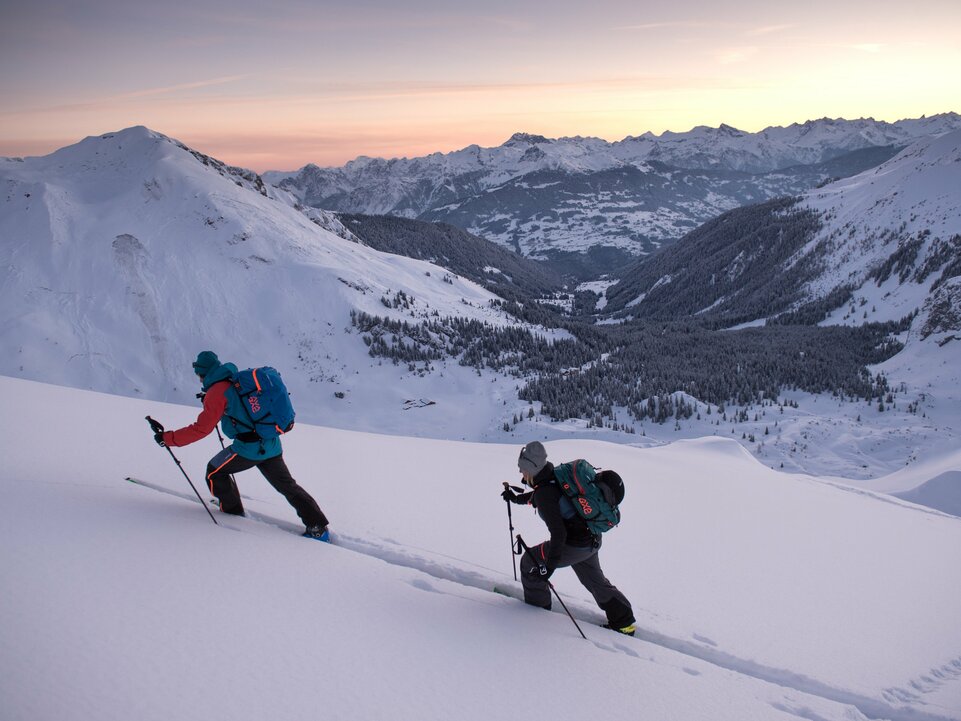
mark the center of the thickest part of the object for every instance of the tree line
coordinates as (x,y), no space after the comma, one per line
(642,365)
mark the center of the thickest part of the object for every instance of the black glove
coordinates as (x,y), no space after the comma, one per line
(510,494)
(158,431)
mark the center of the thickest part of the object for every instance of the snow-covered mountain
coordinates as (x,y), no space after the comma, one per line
(124,255)
(542,196)
(878,246)
(758,594)
(779,148)
(894,235)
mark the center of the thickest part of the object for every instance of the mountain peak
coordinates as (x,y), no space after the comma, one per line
(133,134)
(527,139)
(730,130)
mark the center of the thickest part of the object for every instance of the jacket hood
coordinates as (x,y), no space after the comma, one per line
(221,372)
(545,475)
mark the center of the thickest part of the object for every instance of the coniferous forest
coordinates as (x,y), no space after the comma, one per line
(641,366)
(667,338)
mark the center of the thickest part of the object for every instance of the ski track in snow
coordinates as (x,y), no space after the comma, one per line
(891,708)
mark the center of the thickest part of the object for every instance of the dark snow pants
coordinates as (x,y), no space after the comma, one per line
(227,462)
(586,564)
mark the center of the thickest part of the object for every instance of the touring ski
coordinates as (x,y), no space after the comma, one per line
(251,515)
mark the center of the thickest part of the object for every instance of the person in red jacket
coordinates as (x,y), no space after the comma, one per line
(247,449)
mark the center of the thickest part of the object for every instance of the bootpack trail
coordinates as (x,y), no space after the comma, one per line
(500,585)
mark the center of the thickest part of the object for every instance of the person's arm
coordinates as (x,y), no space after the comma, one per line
(519,498)
(547,500)
(215,403)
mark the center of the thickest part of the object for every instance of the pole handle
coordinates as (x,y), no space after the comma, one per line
(157,428)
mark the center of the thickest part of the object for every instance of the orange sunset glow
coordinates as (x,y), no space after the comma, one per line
(276,86)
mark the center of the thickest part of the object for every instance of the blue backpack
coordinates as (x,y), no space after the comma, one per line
(591,495)
(265,408)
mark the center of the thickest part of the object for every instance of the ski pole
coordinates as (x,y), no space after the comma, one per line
(220,438)
(156,427)
(521,544)
(510,523)
(223,447)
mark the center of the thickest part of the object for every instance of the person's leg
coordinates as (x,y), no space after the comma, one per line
(278,475)
(608,597)
(537,591)
(220,483)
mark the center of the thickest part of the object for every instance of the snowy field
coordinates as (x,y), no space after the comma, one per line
(759,594)
(821,434)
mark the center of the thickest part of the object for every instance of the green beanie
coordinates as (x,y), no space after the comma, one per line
(206,361)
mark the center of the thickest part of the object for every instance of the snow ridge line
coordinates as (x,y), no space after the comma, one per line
(926,683)
(889,498)
(872,708)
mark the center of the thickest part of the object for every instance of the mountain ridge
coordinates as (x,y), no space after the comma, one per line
(125,257)
(540,196)
(885,241)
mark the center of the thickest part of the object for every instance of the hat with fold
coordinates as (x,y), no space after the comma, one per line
(533,458)
(206,361)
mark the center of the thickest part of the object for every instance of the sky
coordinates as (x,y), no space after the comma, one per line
(274,86)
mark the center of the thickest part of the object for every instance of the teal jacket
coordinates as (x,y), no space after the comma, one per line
(258,450)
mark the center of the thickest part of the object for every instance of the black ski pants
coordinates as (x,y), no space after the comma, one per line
(227,462)
(587,566)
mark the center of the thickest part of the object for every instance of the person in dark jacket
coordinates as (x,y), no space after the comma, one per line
(571,544)
(244,452)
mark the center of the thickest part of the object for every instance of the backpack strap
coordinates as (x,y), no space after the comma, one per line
(249,435)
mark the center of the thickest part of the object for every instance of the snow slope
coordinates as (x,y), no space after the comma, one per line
(123,256)
(915,196)
(759,595)
(935,482)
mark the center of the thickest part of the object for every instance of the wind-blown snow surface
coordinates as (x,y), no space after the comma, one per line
(759,595)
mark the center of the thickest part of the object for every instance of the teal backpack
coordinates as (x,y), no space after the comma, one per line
(591,495)
(263,409)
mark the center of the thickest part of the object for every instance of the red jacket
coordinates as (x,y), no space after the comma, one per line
(215,404)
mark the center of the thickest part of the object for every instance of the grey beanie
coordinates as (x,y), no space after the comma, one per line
(533,458)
